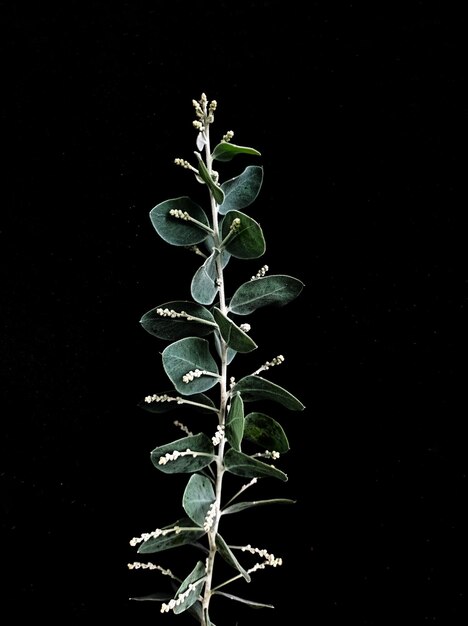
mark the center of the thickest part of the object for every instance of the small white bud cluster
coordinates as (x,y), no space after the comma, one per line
(270,559)
(218,436)
(213,106)
(163,398)
(270,455)
(266,366)
(182,427)
(249,484)
(232,382)
(170,606)
(173,456)
(210,517)
(170,313)
(189,376)
(183,163)
(235,224)
(245,327)
(159,532)
(228,136)
(181,215)
(137,565)
(198,125)
(261,272)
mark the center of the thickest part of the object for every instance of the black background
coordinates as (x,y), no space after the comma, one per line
(360,114)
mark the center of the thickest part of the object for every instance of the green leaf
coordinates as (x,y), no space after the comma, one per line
(227,554)
(188,355)
(204,287)
(225,151)
(173,539)
(266,432)
(187,463)
(235,422)
(257,388)
(234,336)
(215,189)
(176,231)
(276,289)
(230,352)
(243,465)
(198,401)
(198,497)
(195,575)
(158,596)
(199,323)
(251,603)
(241,191)
(241,506)
(247,242)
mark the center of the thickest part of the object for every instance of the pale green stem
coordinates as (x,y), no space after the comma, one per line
(212,533)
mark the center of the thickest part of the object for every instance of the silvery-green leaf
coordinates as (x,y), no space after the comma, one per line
(237,507)
(195,575)
(243,465)
(225,151)
(276,290)
(198,497)
(204,287)
(188,355)
(266,432)
(176,231)
(235,422)
(241,191)
(203,172)
(257,388)
(201,454)
(251,603)
(247,242)
(199,323)
(228,555)
(234,336)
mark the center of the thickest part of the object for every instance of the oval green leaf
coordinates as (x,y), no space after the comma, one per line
(203,287)
(257,388)
(243,465)
(225,151)
(266,432)
(198,497)
(247,242)
(189,355)
(186,534)
(235,422)
(234,336)
(276,290)
(193,320)
(198,573)
(241,191)
(201,454)
(176,231)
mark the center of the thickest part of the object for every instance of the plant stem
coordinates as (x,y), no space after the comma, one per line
(212,533)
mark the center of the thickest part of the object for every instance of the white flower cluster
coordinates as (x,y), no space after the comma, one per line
(159,532)
(210,517)
(137,565)
(235,224)
(218,436)
(270,559)
(261,272)
(183,163)
(163,398)
(181,215)
(189,376)
(245,327)
(228,136)
(266,366)
(170,313)
(232,382)
(173,456)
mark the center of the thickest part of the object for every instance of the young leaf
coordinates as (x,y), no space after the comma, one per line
(227,554)
(197,574)
(190,355)
(258,388)
(172,539)
(266,432)
(225,151)
(241,191)
(204,287)
(251,603)
(198,497)
(201,454)
(215,189)
(199,322)
(176,231)
(276,289)
(234,336)
(237,507)
(235,422)
(243,465)
(247,242)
